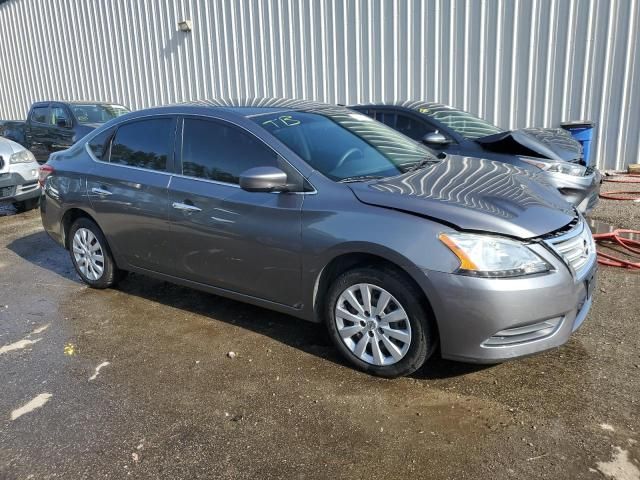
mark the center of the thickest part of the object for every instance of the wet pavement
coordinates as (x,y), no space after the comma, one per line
(137,382)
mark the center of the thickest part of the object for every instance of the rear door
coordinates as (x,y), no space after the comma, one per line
(37,131)
(60,136)
(246,242)
(128,188)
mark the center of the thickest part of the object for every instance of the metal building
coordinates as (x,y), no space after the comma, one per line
(515,62)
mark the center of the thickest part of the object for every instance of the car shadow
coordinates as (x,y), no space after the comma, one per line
(7,210)
(38,249)
(312,338)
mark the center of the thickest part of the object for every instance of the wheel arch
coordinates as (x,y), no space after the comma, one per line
(69,217)
(356,259)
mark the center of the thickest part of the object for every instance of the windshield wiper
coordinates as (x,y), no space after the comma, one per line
(360,178)
(421,164)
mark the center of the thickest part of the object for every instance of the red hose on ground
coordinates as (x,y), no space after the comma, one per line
(622,194)
(617,237)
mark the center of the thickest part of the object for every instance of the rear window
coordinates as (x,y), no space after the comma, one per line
(40,114)
(143,144)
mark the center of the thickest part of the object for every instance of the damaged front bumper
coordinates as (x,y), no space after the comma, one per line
(583,192)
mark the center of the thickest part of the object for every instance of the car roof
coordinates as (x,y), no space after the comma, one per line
(45,103)
(249,107)
(409,104)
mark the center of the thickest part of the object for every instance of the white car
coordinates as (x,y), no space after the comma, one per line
(18,176)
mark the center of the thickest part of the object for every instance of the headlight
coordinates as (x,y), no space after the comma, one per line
(566,168)
(23,156)
(486,256)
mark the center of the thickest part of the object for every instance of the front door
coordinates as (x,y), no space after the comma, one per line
(128,188)
(61,131)
(37,131)
(246,242)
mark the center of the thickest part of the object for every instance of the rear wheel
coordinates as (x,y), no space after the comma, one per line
(376,319)
(26,205)
(91,256)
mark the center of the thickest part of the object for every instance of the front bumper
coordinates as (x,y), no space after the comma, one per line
(484,320)
(20,184)
(583,192)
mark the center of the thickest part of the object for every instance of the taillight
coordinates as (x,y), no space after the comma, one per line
(45,171)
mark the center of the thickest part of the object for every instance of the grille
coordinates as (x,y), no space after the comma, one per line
(576,247)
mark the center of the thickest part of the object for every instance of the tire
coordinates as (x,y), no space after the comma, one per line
(26,205)
(95,267)
(401,297)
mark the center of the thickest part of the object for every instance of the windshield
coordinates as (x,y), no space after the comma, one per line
(467,125)
(97,113)
(344,145)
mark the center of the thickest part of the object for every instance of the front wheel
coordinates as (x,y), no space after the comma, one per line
(91,256)
(378,322)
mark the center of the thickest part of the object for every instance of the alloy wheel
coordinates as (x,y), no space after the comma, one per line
(372,324)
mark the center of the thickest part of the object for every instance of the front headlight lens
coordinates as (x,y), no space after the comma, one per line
(495,257)
(23,156)
(565,168)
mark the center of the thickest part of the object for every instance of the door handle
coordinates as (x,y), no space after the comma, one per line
(185,207)
(100,191)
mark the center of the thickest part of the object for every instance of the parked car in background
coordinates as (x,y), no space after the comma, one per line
(13,130)
(55,125)
(457,132)
(18,176)
(325,214)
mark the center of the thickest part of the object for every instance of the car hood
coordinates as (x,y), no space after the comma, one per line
(551,143)
(473,194)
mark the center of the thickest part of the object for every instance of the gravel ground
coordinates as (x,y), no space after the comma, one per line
(137,381)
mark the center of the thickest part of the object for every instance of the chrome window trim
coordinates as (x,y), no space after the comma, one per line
(186,115)
(172,174)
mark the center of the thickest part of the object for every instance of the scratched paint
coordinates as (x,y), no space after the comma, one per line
(30,406)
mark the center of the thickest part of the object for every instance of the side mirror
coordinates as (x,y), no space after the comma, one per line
(263,179)
(62,122)
(435,138)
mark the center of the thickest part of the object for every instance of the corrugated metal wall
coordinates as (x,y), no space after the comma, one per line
(517,63)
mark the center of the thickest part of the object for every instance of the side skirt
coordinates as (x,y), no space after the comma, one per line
(278,307)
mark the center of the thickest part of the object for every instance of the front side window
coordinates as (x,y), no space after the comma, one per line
(40,114)
(405,124)
(143,143)
(221,152)
(59,117)
(345,145)
(466,124)
(96,113)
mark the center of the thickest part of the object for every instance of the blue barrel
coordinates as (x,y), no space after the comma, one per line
(582,131)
